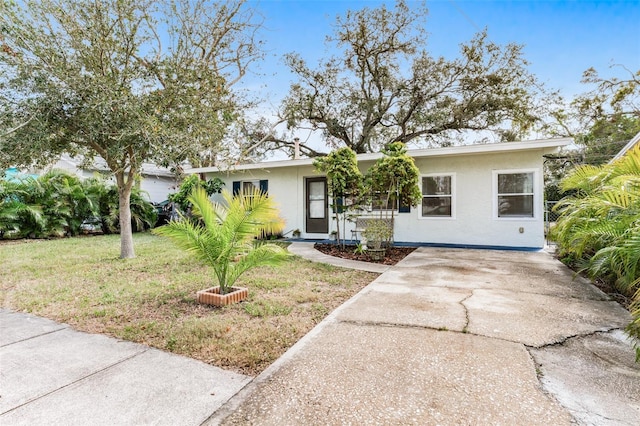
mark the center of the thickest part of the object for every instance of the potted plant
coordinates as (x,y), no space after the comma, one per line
(296,233)
(377,232)
(222,235)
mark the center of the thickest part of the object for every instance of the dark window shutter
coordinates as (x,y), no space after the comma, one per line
(264,186)
(236,187)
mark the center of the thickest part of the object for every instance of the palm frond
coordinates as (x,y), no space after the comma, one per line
(222,233)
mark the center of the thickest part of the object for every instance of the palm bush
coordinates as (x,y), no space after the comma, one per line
(66,203)
(223,234)
(57,203)
(599,226)
(19,216)
(143,213)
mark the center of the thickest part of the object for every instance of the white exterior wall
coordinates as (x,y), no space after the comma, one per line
(475,221)
(286,186)
(158,188)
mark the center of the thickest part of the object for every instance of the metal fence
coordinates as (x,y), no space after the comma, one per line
(550,218)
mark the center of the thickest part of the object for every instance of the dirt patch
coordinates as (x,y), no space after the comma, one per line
(613,293)
(392,256)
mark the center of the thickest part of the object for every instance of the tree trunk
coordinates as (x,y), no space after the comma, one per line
(126,232)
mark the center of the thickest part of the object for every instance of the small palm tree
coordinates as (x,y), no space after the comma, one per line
(222,234)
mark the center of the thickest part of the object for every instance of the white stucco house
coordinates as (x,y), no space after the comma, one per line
(488,195)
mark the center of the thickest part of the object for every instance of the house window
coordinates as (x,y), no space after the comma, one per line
(250,186)
(245,186)
(437,195)
(514,194)
(381,201)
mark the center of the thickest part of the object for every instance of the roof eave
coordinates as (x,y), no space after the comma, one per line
(549,145)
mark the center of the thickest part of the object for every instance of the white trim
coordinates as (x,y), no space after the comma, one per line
(536,194)
(544,144)
(453,197)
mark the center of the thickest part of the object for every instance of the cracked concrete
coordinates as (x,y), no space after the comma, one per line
(584,371)
(445,337)
(465,329)
(457,337)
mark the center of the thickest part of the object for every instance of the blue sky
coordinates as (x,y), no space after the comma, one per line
(561,38)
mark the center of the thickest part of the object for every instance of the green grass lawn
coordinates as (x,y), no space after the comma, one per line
(151,299)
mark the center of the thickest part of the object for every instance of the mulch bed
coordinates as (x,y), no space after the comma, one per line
(392,256)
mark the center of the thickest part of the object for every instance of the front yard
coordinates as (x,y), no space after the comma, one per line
(151,299)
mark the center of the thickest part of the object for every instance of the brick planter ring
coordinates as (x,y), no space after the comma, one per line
(212,296)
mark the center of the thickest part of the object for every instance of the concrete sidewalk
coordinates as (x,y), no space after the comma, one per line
(445,337)
(456,337)
(53,375)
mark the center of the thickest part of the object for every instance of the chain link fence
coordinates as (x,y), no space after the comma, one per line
(550,217)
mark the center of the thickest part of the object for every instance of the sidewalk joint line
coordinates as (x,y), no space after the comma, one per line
(75,381)
(35,337)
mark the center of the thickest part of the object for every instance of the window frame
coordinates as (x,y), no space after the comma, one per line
(371,208)
(238,185)
(535,188)
(254,182)
(452,175)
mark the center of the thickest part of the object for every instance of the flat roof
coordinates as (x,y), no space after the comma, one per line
(489,148)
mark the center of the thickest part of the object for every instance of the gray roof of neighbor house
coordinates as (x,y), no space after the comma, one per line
(99,164)
(547,144)
(635,140)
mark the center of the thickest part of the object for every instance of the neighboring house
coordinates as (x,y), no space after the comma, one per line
(474,195)
(633,142)
(14,174)
(156,182)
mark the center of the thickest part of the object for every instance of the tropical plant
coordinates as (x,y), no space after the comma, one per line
(19,215)
(66,203)
(143,213)
(129,81)
(58,203)
(394,178)
(222,234)
(344,181)
(599,226)
(181,198)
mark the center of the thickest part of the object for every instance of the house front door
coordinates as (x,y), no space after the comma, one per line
(317,211)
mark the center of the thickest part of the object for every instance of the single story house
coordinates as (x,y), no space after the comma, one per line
(488,195)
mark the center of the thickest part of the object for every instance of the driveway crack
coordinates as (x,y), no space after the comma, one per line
(565,339)
(465,329)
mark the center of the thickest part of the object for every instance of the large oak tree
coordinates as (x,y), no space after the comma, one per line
(602,119)
(127,80)
(386,87)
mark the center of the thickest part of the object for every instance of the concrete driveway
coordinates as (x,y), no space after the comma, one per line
(453,336)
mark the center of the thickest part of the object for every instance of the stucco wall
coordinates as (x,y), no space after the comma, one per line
(286,186)
(475,221)
(158,188)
